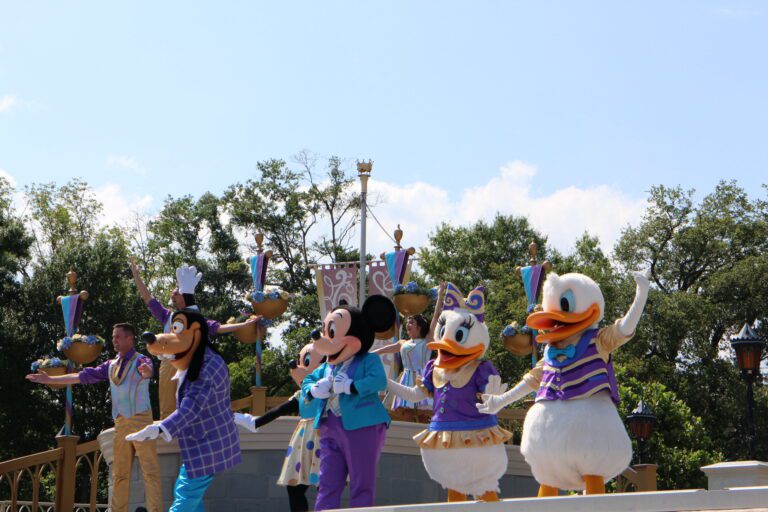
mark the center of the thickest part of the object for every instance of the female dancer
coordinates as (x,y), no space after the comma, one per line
(415,355)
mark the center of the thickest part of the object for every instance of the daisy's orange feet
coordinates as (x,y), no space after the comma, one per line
(546,491)
(489,496)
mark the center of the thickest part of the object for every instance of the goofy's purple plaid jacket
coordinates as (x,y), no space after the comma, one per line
(203,422)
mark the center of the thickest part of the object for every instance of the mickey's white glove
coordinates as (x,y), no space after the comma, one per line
(322,388)
(246,421)
(342,384)
(409,394)
(149,433)
(493,403)
(187,278)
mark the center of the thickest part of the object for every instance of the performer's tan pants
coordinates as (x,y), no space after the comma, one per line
(167,390)
(123,459)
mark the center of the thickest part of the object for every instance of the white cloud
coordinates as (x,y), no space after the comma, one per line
(119,208)
(8,177)
(7,102)
(124,162)
(562,215)
(18,200)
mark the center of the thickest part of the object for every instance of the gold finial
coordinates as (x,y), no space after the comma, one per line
(72,279)
(533,250)
(364,168)
(260,247)
(398,237)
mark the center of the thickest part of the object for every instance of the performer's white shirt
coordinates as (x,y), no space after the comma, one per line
(180,376)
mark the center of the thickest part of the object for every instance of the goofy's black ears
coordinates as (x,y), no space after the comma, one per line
(379,312)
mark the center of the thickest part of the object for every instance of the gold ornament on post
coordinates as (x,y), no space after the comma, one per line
(518,339)
(409,299)
(79,349)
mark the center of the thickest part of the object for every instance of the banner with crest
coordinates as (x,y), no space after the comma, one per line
(336,283)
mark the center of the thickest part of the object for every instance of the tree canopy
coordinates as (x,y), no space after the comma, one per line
(708,260)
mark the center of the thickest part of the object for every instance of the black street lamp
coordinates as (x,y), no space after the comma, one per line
(641,422)
(749,348)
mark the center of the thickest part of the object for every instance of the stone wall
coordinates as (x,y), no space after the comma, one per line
(251,485)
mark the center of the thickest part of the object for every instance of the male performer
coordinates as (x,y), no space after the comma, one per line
(128,375)
(182,297)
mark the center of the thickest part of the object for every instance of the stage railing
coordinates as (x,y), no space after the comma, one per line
(49,480)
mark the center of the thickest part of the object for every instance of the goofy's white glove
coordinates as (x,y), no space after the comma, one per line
(187,278)
(246,421)
(409,394)
(342,384)
(322,388)
(494,402)
(149,433)
(628,323)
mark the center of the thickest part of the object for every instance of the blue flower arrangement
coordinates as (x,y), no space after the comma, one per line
(273,295)
(415,288)
(48,362)
(66,342)
(514,329)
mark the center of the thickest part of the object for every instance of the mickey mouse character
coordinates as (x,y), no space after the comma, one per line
(301,464)
(351,418)
(202,421)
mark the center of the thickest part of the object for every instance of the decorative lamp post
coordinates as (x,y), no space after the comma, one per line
(749,349)
(363,172)
(641,422)
(72,309)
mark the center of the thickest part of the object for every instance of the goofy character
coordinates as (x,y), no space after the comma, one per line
(351,419)
(202,421)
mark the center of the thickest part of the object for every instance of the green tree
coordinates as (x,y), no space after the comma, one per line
(709,263)
(15,249)
(486,255)
(680,444)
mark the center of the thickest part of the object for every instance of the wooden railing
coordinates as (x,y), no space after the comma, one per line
(640,478)
(31,475)
(61,465)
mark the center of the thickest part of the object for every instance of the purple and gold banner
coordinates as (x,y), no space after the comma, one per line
(72,309)
(334,284)
(379,281)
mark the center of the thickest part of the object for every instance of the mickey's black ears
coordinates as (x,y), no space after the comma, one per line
(379,312)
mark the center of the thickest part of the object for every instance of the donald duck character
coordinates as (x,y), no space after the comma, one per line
(350,417)
(573,437)
(202,421)
(462,448)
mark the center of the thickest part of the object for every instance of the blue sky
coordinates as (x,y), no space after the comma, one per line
(464,106)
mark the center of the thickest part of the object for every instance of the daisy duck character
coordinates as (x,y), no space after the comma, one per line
(301,467)
(462,449)
(573,437)
(350,416)
(202,421)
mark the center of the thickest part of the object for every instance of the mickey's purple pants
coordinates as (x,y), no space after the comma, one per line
(348,452)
